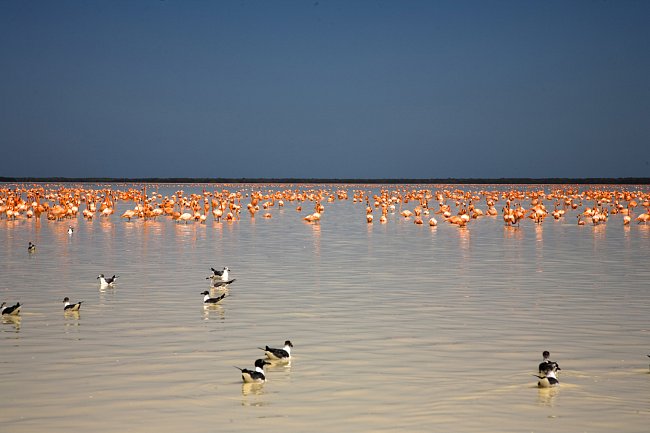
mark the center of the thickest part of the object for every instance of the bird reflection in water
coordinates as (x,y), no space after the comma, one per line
(106,294)
(106,225)
(316,238)
(251,388)
(464,239)
(12,320)
(539,232)
(539,248)
(513,232)
(71,320)
(213,312)
(547,396)
(71,315)
(279,365)
(253,394)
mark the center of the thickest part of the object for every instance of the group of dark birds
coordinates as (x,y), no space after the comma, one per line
(14,310)
(547,369)
(219,279)
(258,375)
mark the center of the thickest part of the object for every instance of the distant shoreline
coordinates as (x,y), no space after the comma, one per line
(461,181)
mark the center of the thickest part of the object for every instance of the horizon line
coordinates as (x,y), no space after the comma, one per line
(289,180)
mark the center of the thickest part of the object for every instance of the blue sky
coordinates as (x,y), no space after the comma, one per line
(325,89)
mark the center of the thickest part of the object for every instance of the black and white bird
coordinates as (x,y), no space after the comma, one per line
(12,310)
(283,354)
(547,364)
(219,275)
(68,306)
(254,376)
(211,301)
(110,281)
(70,230)
(547,372)
(31,248)
(547,380)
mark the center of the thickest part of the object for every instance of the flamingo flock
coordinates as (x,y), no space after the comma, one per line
(458,207)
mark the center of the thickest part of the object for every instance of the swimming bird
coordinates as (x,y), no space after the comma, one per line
(279,354)
(31,248)
(211,301)
(13,310)
(220,275)
(70,230)
(110,281)
(547,372)
(547,380)
(547,364)
(67,306)
(254,376)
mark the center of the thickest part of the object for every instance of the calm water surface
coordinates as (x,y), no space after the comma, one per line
(396,327)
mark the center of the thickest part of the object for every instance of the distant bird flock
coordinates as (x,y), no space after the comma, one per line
(589,205)
(595,206)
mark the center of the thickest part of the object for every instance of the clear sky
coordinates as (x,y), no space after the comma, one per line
(325,89)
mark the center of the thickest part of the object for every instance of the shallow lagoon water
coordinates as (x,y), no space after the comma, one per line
(396,327)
